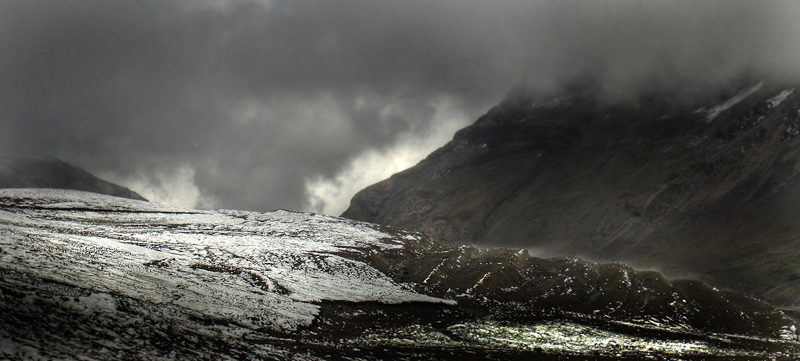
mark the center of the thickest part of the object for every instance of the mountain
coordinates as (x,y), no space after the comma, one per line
(707,191)
(90,276)
(49,172)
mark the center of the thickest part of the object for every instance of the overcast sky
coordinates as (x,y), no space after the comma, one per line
(298,104)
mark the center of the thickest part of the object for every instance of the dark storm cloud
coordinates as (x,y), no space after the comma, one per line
(247,100)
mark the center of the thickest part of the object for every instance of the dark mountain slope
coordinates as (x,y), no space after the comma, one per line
(49,172)
(711,192)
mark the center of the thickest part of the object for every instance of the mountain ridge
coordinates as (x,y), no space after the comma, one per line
(50,172)
(704,191)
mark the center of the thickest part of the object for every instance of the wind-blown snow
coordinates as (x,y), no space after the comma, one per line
(258,270)
(715,111)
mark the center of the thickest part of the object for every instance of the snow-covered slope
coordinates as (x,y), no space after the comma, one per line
(254,270)
(258,270)
(93,276)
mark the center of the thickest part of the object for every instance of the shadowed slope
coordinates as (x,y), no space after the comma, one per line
(705,191)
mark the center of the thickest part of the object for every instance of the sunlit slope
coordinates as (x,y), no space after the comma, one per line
(89,275)
(706,190)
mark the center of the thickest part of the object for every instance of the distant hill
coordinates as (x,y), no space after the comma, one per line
(709,191)
(49,172)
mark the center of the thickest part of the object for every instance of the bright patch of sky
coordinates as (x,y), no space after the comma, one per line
(332,195)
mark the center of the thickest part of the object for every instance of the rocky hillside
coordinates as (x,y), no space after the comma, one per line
(708,190)
(89,276)
(49,172)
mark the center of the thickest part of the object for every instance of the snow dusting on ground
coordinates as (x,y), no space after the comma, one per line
(258,271)
(92,277)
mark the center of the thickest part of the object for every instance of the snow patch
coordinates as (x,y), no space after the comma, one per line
(478,283)
(569,337)
(715,111)
(774,101)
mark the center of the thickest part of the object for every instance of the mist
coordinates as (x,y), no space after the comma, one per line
(259,105)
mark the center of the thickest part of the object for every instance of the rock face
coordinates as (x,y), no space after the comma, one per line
(89,276)
(48,172)
(709,191)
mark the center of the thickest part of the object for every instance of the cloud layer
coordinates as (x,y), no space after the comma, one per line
(285,104)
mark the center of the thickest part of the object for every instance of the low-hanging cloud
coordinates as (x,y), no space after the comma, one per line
(267,101)
(332,195)
(174,186)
